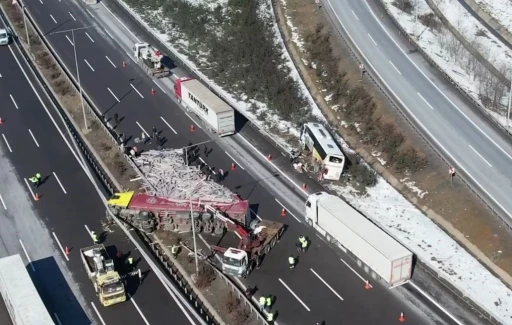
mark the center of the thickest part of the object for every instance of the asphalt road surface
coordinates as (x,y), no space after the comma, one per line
(464,136)
(69,207)
(322,287)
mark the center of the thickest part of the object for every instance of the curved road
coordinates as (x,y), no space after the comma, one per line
(32,140)
(476,148)
(322,288)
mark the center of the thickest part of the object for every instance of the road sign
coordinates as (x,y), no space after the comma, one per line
(451,171)
(361,66)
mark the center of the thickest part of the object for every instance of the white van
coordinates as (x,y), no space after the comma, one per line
(4,37)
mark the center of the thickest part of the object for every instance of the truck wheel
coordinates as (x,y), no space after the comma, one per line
(267,249)
(310,222)
(273,242)
(328,237)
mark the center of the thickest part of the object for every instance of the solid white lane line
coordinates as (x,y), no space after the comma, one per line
(288,211)
(138,309)
(479,155)
(257,216)
(30,189)
(69,40)
(370,36)
(33,137)
(435,303)
(291,181)
(98,313)
(114,95)
(110,61)
(129,31)
(293,293)
(88,231)
(53,18)
(326,284)
(60,246)
(204,162)
(137,91)
(72,16)
(156,83)
(425,101)
(170,127)
(26,254)
(89,65)
(3,203)
(89,37)
(13,101)
(87,11)
(58,180)
(353,13)
(7,143)
(236,162)
(140,126)
(193,121)
(441,92)
(395,67)
(354,271)
(57,318)
(106,31)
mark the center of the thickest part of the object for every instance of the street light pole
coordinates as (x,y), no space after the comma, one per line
(509,99)
(25,21)
(78,79)
(191,207)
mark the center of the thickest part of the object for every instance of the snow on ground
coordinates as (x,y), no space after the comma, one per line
(389,208)
(501,10)
(399,217)
(488,45)
(431,43)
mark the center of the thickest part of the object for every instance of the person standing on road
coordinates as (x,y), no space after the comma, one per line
(262,301)
(270,317)
(36,180)
(291,262)
(94,237)
(268,303)
(205,150)
(116,119)
(221,174)
(155,132)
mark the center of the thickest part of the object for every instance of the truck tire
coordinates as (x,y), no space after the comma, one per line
(328,237)
(273,242)
(310,222)
(267,249)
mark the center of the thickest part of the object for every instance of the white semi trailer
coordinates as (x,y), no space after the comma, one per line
(374,250)
(196,97)
(20,295)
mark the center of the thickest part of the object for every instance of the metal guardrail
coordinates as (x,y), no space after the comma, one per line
(100,171)
(176,57)
(423,264)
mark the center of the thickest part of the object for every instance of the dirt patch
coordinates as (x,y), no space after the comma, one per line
(457,204)
(98,140)
(218,294)
(212,286)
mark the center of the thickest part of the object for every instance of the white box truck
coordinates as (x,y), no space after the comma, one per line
(20,295)
(374,250)
(196,97)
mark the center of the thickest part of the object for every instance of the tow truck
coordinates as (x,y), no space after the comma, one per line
(107,282)
(150,59)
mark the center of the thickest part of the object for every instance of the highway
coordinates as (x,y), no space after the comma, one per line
(478,150)
(322,287)
(69,207)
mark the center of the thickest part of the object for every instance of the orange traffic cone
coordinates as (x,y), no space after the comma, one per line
(1,121)
(124,64)
(283,212)
(367,285)
(304,186)
(37,197)
(192,128)
(233,166)
(66,251)
(401,318)
(153,91)
(269,157)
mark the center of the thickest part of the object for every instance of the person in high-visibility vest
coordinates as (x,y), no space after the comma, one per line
(262,301)
(304,243)
(270,317)
(291,261)
(130,260)
(268,303)
(94,237)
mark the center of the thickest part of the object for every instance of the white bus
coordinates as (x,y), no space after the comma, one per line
(316,139)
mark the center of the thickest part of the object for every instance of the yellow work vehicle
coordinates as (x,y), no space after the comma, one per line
(107,282)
